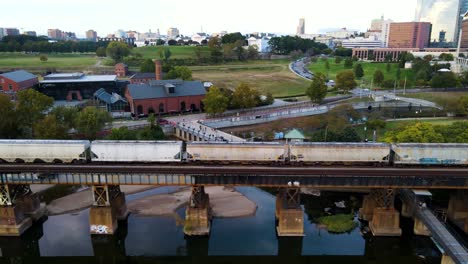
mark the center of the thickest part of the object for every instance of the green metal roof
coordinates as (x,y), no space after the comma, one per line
(294,134)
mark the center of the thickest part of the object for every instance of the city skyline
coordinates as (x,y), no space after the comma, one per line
(51,14)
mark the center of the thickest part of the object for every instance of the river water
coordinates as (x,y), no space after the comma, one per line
(143,238)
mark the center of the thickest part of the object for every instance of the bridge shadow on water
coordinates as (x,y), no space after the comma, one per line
(65,239)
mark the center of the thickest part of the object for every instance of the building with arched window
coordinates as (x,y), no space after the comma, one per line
(165,96)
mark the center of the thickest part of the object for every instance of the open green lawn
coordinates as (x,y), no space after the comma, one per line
(177,52)
(369,69)
(10,60)
(271,76)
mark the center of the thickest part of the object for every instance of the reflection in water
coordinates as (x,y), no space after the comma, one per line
(290,246)
(26,245)
(111,245)
(140,237)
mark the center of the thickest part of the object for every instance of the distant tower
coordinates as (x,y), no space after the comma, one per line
(301,27)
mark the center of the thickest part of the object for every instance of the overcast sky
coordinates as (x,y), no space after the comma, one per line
(189,16)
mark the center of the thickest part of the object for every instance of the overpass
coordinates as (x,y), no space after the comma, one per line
(426,223)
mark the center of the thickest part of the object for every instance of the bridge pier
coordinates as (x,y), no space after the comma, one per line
(19,207)
(289,213)
(108,207)
(198,213)
(446,259)
(385,219)
(367,211)
(420,228)
(458,210)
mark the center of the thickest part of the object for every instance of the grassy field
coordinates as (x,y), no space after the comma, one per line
(177,52)
(369,69)
(271,76)
(59,61)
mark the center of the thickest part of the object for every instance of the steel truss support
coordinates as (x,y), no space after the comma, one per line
(104,194)
(383,197)
(9,193)
(198,197)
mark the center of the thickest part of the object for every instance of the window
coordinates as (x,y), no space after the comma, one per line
(1,88)
(10,87)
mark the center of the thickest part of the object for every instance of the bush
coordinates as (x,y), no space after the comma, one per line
(339,223)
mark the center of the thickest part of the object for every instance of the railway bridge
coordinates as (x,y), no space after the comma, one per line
(20,207)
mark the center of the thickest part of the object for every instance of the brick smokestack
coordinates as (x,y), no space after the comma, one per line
(158,69)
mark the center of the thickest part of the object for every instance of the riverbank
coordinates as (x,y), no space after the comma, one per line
(225,202)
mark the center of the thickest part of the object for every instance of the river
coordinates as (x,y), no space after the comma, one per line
(142,238)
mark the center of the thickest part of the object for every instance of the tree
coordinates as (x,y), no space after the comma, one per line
(232,38)
(446,57)
(215,101)
(327,66)
(252,52)
(338,59)
(444,80)
(378,77)
(117,50)
(101,52)
(244,96)
(165,53)
(398,73)
(464,79)
(179,72)
(91,120)
(43,58)
(457,132)
(348,63)
(122,133)
(376,124)
(345,81)
(358,71)
(317,89)
(50,128)
(428,58)
(151,132)
(147,66)
(8,122)
(65,116)
(388,67)
(239,50)
(415,133)
(31,108)
(198,53)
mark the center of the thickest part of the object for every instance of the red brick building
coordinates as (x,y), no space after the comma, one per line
(13,82)
(165,96)
(121,69)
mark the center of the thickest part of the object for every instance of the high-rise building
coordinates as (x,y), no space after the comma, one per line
(409,35)
(464,35)
(91,35)
(461,13)
(30,33)
(301,27)
(443,15)
(10,32)
(172,33)
(55,33)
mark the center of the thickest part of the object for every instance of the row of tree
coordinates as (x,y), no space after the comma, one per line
(287,44)
(428,133)
(219,100)
(41,44)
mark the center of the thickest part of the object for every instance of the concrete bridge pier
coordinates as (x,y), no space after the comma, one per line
(385,219)
(19,207)
(289,213)
(198,213)
(108,207)
(420,228)
(446,259)
(458,210)
(366,212)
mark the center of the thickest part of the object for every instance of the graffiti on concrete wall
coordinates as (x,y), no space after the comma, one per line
(99,229)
